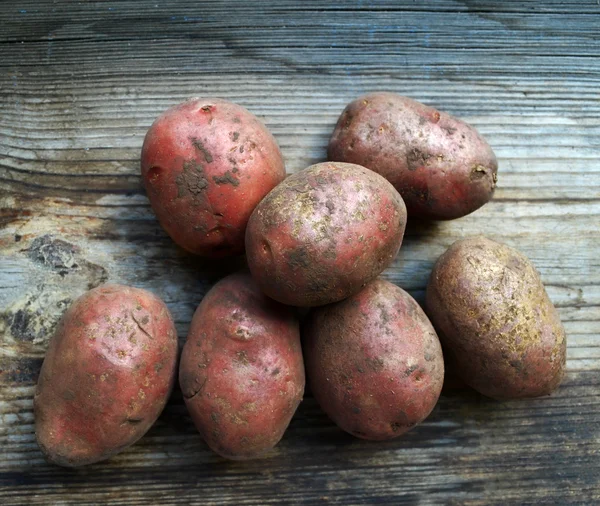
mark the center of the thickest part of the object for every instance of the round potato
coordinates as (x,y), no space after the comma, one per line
(442,167)
(206,163)
(107,375)
(241,370)
(496,321)
(374,362)
(324,233)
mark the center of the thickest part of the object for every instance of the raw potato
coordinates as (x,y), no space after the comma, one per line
(107,375)
(493,315)
(206,163)
(241,371)
(324,233)
(442,167)
(374,362)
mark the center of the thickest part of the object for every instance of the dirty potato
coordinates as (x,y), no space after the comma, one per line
(496,321)
(241,370)
(442,167)
(107,375)
(324,233)
(206,163)
(373,361)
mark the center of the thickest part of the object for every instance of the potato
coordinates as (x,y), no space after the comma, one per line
(496,321)
(206,163)
(241,370)
(441,166)
(374,362)
(107,375)
(324,233)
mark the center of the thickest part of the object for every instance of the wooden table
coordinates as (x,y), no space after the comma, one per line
(81,83)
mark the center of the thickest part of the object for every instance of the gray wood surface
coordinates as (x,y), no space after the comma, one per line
(81,82)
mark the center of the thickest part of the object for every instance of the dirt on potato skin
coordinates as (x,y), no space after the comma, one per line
(494,317)
(108,372)
(324,233)
(442,167)
(206,163)
(241,371)
(374,362)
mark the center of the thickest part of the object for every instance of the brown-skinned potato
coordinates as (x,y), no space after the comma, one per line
(206,163)
(496,321)
(442,167)
(374,362)
(324,233)
(107,375)
(241,370)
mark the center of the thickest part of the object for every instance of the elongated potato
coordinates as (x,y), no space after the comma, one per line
(206,163)
(241,371)
(442,167)
(492,312)
(373,361)
(324,233)
(107,375)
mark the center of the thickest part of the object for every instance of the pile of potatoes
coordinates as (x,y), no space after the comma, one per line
(317,239)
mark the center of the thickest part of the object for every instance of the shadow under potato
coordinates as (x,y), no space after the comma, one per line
(417,228)
(213,269)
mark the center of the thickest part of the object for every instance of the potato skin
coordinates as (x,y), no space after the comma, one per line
(324,233)
(241,371)
(442,167)
(374,362)
(494,317)
(108,372)
(206,163)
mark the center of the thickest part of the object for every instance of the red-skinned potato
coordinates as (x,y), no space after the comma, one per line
(496,321)
(241,370)
(206,163)
(107,375)
(373,361)
(324,233)
(442,167)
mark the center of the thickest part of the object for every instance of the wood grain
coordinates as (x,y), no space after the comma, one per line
(81,82)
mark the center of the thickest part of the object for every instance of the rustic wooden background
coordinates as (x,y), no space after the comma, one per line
(81,82)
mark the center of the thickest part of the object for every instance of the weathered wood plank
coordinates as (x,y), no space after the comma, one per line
(81,82)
